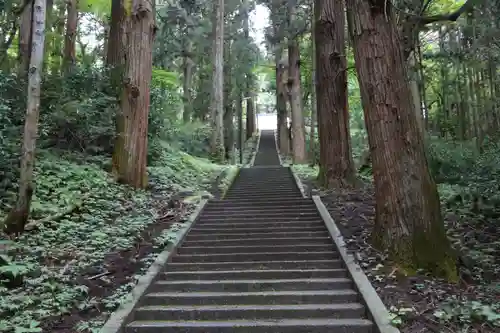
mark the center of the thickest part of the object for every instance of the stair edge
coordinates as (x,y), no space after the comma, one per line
(121,317)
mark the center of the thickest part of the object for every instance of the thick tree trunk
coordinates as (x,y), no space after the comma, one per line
(130,154)
(295,95)
(336,163)
(17,218)
(25,40)
(217,102)
(69,59)
(408,215)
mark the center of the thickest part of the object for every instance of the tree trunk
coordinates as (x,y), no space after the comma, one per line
(25,40)
(408,215)
(49,22)
(336,163)
(228,104)
(314,113)
(115,48)
(17,218)
(115,44)
(281,97)
(130,152)
(69,59)
(187,80)
(239,111)
(57,40)
(250,121)
(217,102)
(295,95)
(414,79)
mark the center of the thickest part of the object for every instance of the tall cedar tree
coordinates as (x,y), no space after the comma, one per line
(408,215)
(336,163)
(130,152)
(294,86)
(217,98)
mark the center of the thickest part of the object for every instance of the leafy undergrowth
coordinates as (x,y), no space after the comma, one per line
(421,303)
(92,238)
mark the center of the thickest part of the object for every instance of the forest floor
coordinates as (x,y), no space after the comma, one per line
(80,268)
(421,304)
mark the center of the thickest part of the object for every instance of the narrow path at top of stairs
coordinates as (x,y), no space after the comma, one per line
(259,261)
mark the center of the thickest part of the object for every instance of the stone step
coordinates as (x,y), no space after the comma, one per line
(267,186)
(261,235)
(257,297)
(254,326)
(239,265)
(235,218)
(253,312)
(279,205)
(260,215)
(267,201)
(256,274)
(255,196)
(275,256)
(255,249)
(259,241)
(272,179)
(264,190)
(252,231)
(267,225)
(261,210)
(256,208)
(251,285)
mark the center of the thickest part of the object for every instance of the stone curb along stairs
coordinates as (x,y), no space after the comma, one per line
(264,259)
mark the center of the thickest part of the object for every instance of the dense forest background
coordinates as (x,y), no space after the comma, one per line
(100,165)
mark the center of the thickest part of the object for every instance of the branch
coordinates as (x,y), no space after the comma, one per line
(453,16)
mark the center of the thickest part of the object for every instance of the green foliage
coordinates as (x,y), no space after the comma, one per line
(101,8)
(50,259)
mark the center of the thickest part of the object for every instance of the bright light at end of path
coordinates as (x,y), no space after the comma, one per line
(266,121)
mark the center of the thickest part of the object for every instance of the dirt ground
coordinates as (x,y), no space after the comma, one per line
(423,304)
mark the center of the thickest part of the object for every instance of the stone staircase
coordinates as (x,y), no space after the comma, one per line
(261,260)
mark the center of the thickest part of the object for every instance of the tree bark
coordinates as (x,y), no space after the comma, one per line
(17,218)
(336,163)
(313,96)
(228,104)
(115,45)
(187,81)
(217,98)
(295,95)
(25,39)
(130,152)
(281,97)
(69,59)
(408,215)
(250,119)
